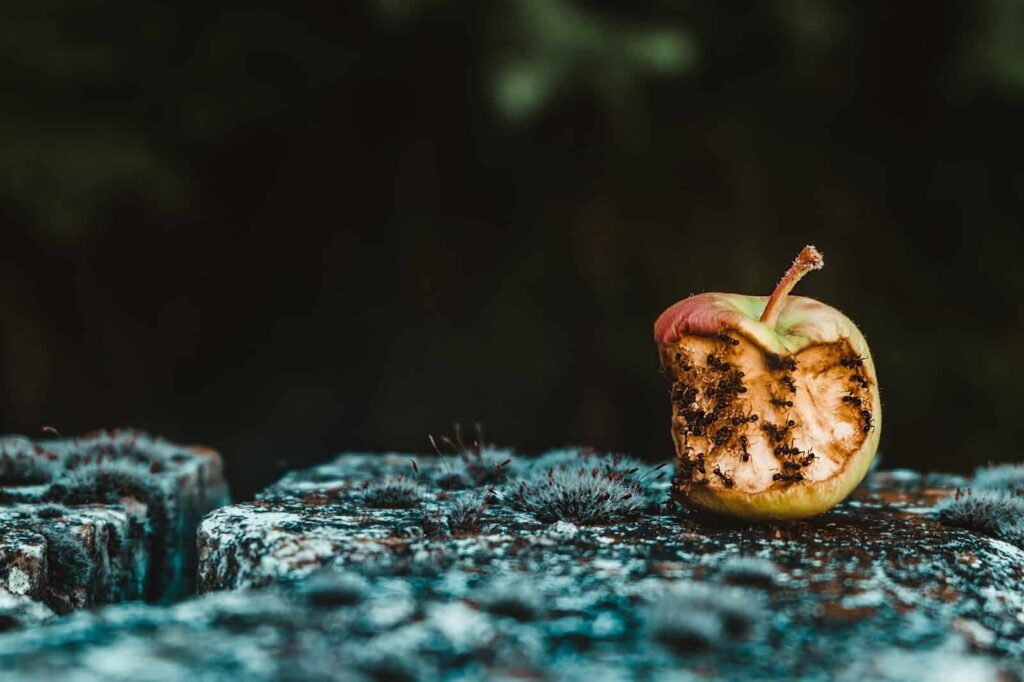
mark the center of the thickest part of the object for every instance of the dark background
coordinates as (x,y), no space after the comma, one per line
(290,231)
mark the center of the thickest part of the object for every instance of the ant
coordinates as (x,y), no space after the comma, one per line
(777,433)
(744,443)
(725,338)
(779,402)
(858,379)
(788,382)
(788,478)
(776,362)
(684,393)
(736,421)
(868,423)
(851,361)
(722,435)
(715,363)
(683,363)
(851,400)
(726,478)
(808,458)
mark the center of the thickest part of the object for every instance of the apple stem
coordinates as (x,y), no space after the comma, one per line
(808,259)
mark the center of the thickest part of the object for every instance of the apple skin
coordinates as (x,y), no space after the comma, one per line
(802,324)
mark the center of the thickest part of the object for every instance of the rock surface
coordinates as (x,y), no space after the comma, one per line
(878,588)
(97,520)
(366,568)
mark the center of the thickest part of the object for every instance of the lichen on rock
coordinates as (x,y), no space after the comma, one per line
(101,519)
(659,592)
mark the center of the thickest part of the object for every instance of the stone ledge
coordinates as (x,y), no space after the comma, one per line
(102,519)
(876,588)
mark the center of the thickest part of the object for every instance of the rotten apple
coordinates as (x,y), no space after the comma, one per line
(775,408)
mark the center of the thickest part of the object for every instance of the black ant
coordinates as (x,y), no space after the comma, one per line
(868,423)
(851,400)
(776,362)
(725,338)
(808,458)
(777,433)
(779,402)
(683,363)
(722,435)
(744,443)
(851,361)
(789,383)
(684,393)
(726,478)
(858,379)
(715,363)
(788,478)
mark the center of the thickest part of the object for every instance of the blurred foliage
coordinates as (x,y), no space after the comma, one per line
(550,46)
(995,52)
(289,230)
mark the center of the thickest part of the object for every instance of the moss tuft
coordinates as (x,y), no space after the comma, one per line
(395,492)
(580,488)
(1005,477)
(992,512)
(110,482)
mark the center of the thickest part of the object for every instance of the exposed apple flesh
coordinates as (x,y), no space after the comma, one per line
(775,407)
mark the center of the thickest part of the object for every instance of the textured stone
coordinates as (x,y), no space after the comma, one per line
(877,588)
(102,519)
(311,582)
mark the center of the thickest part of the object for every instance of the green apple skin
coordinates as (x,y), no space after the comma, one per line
(803,327)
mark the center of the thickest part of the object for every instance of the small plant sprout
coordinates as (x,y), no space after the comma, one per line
(465,513)
(591,490)
(459,516)
(478,464)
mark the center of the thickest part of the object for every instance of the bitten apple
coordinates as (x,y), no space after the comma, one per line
(775,407)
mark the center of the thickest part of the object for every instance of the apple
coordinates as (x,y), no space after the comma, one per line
(775,406)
